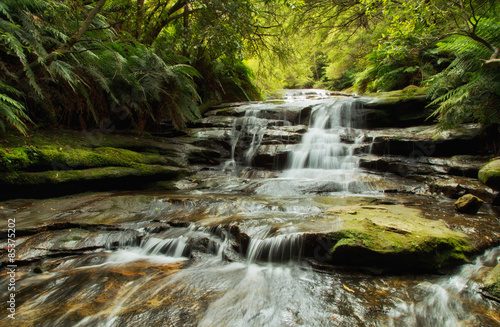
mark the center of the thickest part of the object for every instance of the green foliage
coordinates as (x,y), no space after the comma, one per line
(225,80)
(12,111)
(212,40)
(396,64)
(97,79)
(142,62)
(467,90)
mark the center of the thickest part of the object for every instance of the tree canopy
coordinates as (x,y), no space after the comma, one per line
(136,63)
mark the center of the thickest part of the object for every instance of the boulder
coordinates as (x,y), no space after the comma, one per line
(490,174)
(395,238)
(455,187)
(426,141)
(468,204)
(492,283)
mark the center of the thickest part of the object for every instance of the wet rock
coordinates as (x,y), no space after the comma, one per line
(281,135)
(426,141)
(402,108)
(468,204)
(292,113)
(54,182)
(492,283)
(301,129)
(215,121)
(37,270)
(206,156)
(496,200)
(392,237)
(400,165)
(465,165)
(272,156)
(455,187)
(72,241)
(490,174)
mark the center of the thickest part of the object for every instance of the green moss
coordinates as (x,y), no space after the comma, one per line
(67,157)
(490,174)
(395,235)
(408,93)
(51,157)
(492,282)
(14,159)
(66,176)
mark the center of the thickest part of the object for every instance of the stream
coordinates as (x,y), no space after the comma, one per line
(180,259)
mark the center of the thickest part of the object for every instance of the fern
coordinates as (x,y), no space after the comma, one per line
(12,111)
(466,91)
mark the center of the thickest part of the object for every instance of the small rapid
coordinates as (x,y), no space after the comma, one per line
(270,286)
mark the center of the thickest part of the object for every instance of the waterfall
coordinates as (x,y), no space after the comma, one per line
(248,128)
(327,150)
(172,247)
(280,248)
(329,142)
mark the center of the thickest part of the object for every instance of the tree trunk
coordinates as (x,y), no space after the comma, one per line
(138,19)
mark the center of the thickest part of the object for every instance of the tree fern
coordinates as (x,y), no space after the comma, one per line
(466,91)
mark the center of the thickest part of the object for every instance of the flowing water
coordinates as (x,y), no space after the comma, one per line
(204,273)
(324,153)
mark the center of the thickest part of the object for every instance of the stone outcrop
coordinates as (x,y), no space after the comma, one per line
(64,162)
(468,204)
(402,108)
(492,284)
(490,174)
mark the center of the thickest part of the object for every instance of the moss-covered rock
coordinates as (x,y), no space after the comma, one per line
(392,237)
(468,204)
(53,157)
(492,282)
(400,108)
(105,173)
(52,182)
(52,162)
(490,174)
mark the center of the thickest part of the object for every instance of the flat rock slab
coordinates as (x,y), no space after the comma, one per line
(88,208)
(407,232)
(426,141)
(390,236)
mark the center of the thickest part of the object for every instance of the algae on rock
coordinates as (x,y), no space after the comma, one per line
(490,174)
(394,237)
(492,282)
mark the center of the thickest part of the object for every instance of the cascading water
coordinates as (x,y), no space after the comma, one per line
(226,259)
(249,126)
(278,248)
(325,161)
(327,149)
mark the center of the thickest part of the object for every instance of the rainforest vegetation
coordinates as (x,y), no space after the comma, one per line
(133,64)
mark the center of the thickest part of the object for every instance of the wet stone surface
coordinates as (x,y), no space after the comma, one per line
(260,237)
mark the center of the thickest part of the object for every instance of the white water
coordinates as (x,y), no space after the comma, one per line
(327,149)
(281,248)
(248,126)
(290,294)
(325,160)
(268,285)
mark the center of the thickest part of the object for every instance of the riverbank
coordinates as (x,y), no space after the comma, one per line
(59,162)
